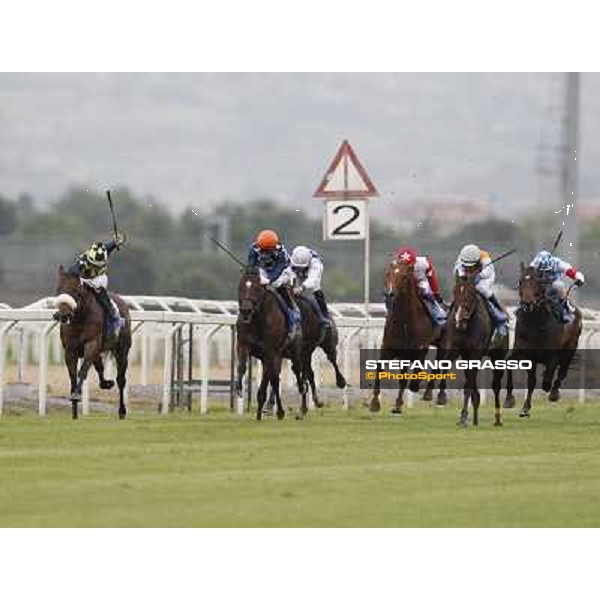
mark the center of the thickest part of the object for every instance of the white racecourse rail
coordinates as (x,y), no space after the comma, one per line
(30,332)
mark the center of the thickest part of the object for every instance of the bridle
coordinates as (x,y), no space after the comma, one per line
(391,292)
(464,312)
(247,304)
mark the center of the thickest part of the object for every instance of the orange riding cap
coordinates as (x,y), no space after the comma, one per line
(267,239)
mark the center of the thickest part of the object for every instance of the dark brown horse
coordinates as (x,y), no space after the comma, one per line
(469,334)
(83,336)
(262,332)
(408,330)
(542,338)
(313,337)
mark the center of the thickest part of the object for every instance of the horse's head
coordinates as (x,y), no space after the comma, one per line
(398,276)
(532,289)
(69,290)
(465,301)
(250,293)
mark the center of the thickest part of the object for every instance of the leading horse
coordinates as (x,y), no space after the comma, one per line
(542,338)
(83,335)
(408,331)
(262,332)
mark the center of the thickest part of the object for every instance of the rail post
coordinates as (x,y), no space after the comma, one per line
(3,337)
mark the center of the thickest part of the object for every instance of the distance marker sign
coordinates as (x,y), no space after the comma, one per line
(345,220)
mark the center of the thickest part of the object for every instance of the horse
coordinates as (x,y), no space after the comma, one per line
(469,335)
(542,338)
(262,332)
(408,330)
(83,335)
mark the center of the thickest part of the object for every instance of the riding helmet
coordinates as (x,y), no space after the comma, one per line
(301,257)
(267,239)
(97,255)
(470,255)
(407,255)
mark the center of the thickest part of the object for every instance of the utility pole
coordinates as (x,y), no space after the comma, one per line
(569,172)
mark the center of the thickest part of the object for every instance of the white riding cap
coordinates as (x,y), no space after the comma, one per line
(301,257)
(470,255)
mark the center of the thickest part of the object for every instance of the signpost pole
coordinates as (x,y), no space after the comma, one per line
(367,259)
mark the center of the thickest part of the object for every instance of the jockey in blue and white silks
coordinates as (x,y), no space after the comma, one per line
(272,260)
(552,269)
(307,269)
(473,259)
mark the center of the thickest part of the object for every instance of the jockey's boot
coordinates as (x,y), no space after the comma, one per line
(294,318)
(112,314)
(436,312)
(567,315)
(499,315)
(319,303)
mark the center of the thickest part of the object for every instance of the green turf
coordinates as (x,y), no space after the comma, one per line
(333,469)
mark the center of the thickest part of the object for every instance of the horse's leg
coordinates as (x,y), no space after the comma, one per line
(122,358)
(275,379)
(375,403)
(509,401)
(261,395)
(475,398)
(496,387)
(331,354)
(299,367)
(467,390)
(397,410)
(310,376)
(90,353)
(71,359)
(242,363)
(105,384)
(563,369)
(530,387)
(549,373)
(442,397)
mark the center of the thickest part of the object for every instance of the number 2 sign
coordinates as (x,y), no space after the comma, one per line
(345,220)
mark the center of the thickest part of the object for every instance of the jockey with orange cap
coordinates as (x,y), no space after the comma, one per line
(271,258)
(427,282)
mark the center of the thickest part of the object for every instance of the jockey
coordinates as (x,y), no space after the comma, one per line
(91,266)
(551,269)
(472,259)
(307,268)
(272,259)
(427,282)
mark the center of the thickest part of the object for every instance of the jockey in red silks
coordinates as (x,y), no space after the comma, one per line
(427,282)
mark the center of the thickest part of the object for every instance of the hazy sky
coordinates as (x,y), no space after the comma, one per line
(199,138)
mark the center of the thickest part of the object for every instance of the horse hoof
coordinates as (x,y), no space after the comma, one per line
(318,403)
(427,396)
(396,411)
(498,424)
(340,382)
(554,396)
(375,406)
(509,402)
(442,399)
(524,414)
(413,386)
(107,384)
(281,415)
(546,386)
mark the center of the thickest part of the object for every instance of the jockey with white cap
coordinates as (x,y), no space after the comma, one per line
(307,269)
(472,259)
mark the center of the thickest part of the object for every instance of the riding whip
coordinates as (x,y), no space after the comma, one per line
(112,212)
(557,241)
(227,251)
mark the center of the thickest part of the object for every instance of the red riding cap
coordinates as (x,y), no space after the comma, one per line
(407,255)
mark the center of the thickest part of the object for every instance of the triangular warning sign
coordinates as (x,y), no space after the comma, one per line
(346,177)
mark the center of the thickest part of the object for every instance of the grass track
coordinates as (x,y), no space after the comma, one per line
(333,469)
